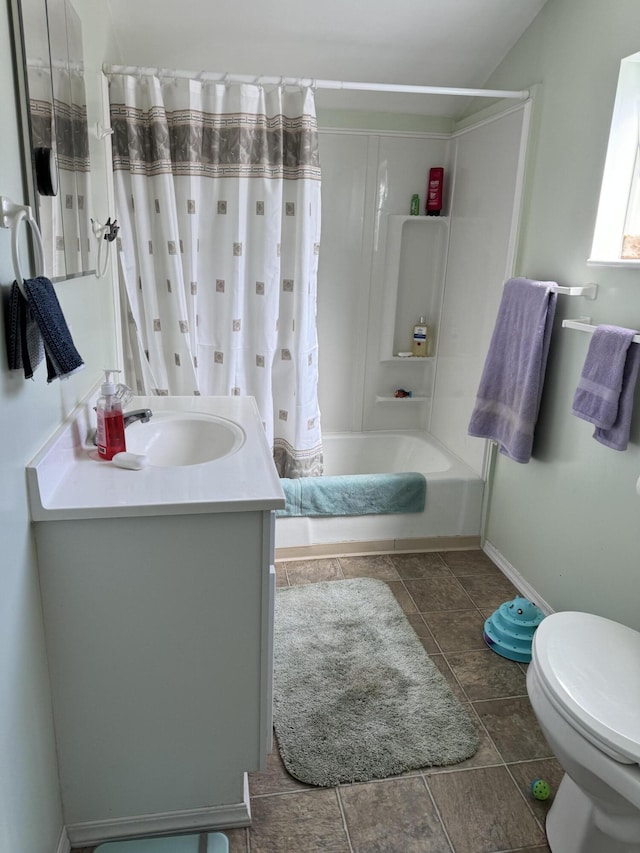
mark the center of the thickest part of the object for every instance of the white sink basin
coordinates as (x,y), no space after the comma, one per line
(173,439)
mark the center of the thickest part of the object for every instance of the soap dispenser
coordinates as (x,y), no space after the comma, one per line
(110,434)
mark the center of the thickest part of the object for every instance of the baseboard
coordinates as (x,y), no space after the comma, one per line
(64,845)
(523,586)
(165,823)
(382,546)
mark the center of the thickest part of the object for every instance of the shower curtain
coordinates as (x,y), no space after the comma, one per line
(218,199)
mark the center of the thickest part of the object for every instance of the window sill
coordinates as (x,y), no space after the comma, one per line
(632,264)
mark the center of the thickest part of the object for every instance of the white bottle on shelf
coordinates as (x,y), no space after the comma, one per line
(420,340)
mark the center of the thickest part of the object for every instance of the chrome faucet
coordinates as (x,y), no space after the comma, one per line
(143,415)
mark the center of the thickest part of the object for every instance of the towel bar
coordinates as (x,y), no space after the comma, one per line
(589,291)
(11,215)
(587,327)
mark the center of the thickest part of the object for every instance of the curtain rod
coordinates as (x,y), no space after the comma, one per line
(520,94)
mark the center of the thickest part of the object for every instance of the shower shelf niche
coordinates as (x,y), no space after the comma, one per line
(409,359)
(415,255)
(389,398)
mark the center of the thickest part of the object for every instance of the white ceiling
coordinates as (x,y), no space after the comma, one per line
(427,42)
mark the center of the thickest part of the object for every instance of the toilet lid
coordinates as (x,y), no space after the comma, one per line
(591,667)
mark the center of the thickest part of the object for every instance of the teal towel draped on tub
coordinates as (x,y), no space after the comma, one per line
(354,494)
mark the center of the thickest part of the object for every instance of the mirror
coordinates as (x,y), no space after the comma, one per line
(55,132)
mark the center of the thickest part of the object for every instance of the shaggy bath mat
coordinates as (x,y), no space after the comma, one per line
(356,696)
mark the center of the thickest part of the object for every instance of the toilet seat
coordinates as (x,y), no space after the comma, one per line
(589,667)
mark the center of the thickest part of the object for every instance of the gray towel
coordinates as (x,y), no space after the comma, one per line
(63,358)
(506,408)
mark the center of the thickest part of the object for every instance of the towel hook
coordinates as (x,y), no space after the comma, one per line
(102,132)
(11,216)
(108,232)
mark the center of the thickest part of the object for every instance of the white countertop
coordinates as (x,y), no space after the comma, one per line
(66,479)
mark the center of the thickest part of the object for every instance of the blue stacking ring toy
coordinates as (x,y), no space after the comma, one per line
(509,630)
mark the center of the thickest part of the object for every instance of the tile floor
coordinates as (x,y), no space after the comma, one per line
(480,806)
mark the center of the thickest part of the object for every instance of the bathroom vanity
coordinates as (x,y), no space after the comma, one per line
(158,590)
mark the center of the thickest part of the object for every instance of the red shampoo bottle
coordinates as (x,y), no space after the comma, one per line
(434,191)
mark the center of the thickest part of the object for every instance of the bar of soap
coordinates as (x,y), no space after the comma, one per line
(133,461)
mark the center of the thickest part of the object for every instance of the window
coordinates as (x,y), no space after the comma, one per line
(631,237)
(616,239)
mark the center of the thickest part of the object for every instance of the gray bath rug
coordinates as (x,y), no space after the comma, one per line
(356,696)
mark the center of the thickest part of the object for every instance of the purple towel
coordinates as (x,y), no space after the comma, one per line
(605,392)
(617,436)
(508,400)
(597,396)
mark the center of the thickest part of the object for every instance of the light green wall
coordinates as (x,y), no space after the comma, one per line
(30,812)
(569,521)
(360,120)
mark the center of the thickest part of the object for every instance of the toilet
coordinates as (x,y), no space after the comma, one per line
(584,686)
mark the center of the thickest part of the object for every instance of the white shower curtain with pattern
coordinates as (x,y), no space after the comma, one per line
(218,199)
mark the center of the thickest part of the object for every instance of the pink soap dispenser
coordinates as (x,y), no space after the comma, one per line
(110,433)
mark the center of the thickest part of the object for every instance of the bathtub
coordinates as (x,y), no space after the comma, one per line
(453,506)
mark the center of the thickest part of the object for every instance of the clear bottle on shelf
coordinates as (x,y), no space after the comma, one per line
(420,340)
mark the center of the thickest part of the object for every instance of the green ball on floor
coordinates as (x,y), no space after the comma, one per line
(540,789)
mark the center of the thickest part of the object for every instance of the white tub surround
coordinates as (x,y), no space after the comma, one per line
(452,511)
(157,588)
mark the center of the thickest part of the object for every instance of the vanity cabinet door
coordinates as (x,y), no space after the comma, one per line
(160,650)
